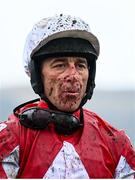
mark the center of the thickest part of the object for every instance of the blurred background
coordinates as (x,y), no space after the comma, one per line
(112,21)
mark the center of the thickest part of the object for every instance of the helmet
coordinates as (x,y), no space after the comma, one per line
(59,36)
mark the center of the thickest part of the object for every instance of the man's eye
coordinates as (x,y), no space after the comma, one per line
(59,66)
(82,66)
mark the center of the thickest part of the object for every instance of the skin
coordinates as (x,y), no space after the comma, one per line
(65,81)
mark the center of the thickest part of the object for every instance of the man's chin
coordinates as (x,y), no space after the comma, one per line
(70,107)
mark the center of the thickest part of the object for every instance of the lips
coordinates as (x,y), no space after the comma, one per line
(69,87)
(71,93)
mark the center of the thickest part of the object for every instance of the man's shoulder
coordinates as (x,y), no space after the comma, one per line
(11,123)
(95,118)
(9,136)
(102,125)
(115,139)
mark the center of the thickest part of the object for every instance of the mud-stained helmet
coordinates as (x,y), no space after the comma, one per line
(61,35)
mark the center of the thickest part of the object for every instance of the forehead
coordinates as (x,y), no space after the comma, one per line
(66,59)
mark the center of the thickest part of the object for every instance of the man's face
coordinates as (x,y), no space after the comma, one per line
(65,81)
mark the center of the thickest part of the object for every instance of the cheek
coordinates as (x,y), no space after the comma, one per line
(50,86)
(85,80)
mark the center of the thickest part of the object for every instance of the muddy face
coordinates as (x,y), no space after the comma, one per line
(65,80)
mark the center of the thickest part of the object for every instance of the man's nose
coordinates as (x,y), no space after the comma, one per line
(72,69)
(72,74)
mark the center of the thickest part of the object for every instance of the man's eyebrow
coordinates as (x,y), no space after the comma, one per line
(81,60)
(56,60)
(61,59)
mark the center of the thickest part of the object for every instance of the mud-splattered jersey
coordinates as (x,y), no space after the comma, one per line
(97,150)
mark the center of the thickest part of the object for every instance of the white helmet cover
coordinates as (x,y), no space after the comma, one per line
(56,27)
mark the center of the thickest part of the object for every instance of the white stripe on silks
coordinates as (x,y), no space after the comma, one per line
(67,165)
(123,170)
(11,163)
(2,126)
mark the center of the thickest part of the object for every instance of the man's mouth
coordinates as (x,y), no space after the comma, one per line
(70,93)
(71,90)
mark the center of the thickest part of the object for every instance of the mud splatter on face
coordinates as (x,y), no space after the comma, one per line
(69,92)
(64,90)
(50,91)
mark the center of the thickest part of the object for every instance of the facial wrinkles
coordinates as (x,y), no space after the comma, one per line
(70,89)
(64,90)
(67,89)
(70,83)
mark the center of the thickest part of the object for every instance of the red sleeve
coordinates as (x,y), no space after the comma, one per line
(129,153)
(8,141)
(126,165)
